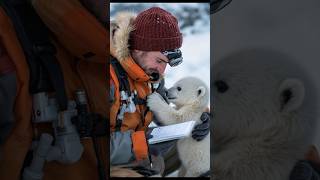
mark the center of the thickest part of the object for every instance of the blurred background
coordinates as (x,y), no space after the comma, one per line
(291,26)
(194,22)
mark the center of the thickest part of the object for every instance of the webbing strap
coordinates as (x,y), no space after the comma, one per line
(124,82)
(124,86)
(121,75)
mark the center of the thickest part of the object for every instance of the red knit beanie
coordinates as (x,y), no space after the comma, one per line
(155,30)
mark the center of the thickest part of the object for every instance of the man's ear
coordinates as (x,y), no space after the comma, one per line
(291,94)
(201,91)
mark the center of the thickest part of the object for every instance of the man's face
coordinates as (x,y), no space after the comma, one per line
(150,61)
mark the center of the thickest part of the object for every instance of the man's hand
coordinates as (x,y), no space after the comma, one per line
(200,131)
(146,172)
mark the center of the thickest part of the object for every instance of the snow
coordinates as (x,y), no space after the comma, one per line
(196,60)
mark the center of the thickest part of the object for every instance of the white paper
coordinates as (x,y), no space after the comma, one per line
(171,132)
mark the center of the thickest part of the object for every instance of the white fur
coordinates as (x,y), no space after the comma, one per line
(190,102)
(259,132)
(120,29)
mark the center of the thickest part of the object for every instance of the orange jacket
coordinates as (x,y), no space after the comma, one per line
(132,121)
(76,32)
(138,80)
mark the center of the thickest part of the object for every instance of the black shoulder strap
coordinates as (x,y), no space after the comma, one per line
(123,86)
(123,80)
(45,72)
(121,75)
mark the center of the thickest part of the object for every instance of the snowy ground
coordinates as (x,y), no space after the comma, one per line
(196,60)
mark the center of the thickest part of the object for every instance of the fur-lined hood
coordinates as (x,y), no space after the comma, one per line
(120,29)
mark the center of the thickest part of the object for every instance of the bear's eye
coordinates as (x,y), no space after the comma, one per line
(179,88)
(221,86)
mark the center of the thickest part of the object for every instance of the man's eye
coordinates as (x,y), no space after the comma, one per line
(160,61)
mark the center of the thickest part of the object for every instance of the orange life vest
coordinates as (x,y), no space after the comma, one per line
(138,81)
(141,118)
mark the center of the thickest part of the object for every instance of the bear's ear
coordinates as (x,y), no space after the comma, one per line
(291,94)
(201,91)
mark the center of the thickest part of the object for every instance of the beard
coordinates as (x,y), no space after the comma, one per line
(153,73)
(155,76)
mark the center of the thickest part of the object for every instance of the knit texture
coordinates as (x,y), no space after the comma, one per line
(155,30)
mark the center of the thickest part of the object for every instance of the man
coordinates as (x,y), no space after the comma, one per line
(141,47)
(70,49)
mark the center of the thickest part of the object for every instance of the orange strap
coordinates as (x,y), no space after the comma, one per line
(139,143)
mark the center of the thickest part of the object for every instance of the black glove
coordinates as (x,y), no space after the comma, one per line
(145,171)
(200,131)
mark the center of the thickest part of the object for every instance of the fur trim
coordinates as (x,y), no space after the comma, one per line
(120,30)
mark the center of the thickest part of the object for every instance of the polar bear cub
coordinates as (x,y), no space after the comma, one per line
(191,97)
(266,108)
